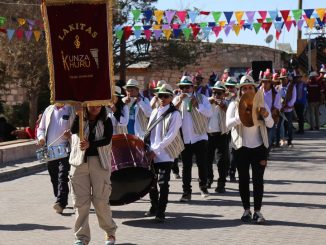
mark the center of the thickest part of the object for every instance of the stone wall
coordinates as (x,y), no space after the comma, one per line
(218,57)
(13,95)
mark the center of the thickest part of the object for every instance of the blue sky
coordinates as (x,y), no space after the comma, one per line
(245,37)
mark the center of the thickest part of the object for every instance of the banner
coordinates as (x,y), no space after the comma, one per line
(79,47)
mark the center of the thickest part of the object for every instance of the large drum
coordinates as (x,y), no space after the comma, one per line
(131,177)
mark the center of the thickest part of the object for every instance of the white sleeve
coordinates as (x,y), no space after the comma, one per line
(205,107)
(124,119)
(145,107)
(269,122)
(40,134)
(232,116)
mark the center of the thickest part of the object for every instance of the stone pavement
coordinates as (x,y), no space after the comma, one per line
(294,204)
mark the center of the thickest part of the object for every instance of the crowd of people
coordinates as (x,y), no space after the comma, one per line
(197,122)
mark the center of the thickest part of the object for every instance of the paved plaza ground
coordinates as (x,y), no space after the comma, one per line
(294,205)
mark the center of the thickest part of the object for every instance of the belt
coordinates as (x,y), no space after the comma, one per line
(214,134)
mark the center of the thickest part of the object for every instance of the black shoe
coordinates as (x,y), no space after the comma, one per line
(232,178)
(204,192)
(186,197)
(160,218)
(209,183)
(151,212)
(258,218)
(247,216)
(220,189)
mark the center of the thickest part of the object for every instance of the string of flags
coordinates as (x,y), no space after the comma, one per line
(159,23)
(27,28)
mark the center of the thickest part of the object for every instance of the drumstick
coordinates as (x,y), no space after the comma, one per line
(56,140)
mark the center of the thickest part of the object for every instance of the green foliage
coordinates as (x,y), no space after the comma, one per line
(17,115)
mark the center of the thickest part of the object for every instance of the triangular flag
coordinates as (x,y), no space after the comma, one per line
(266,26)
(10,33)
(273,14)
(193,15)
(176,32)
(182,15)
(137,28)
(118,28)
(278,34)
(157,34)
(320,12)
(288,25)
(3,30)
(263,14)
(19,34)
(137,33)
(169,14)
(227,30)
(205,13)
(236,29)
(31,22)
(118,33)
(257,27)
(37,35)
(216,16)
(285,14)
(21,21)
(186,32)
(156,27)
(238,15)
(127,32)
(311,22)
(242,22)
(261,21)
(136,13)
(148,34)
(217,30)
(247,26)
(294,23)
(203,25)
(309,12)
(166,27)
(207,31)
(300,24)
(250,16)
(167,33)
(269,20)
(211,24)
(2,20)
(222,23)
(195,31)
(289,18)
(228,15)
(320,23)
(175,26)
(158,15)
(148,14)
(278,25)
(147,27)
(297,14)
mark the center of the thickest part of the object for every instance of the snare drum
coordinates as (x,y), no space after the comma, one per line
(52,153)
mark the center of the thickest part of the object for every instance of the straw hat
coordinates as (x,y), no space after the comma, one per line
(132,83)
(247,80)
(218,86)
(185,80)
(231,81)
(165,89)
(118,91)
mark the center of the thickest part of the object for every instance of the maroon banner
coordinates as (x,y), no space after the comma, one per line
(78,52)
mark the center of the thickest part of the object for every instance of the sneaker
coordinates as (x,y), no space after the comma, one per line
(110,240)
(78,242)
(160,218)
(151,212)
(186,197)
(204,192)
(176,176)
(290,145)
(259,218)
(220,189)
(282,143)
(247,216)
(57,207)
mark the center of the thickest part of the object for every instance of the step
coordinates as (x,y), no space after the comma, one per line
(17,150)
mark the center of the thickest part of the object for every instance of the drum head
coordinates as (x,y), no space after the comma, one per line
(129,185)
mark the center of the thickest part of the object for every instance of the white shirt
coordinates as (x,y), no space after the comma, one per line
(268,97)
(157,143)
(123,119)
(251,136)
(59,123)
(188,132)
(214,121)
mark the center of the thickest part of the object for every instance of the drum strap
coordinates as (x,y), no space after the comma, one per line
(155,122)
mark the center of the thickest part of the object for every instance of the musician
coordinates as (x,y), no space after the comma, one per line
(139,109)
(202,85)
(314,88)
(195,111)
(301,101)
(165,145)
(90,173)
(288,92)
(251,144)
(154,101)
(231,86)
(218,138)
(273,100)
(54,130)
(119,113)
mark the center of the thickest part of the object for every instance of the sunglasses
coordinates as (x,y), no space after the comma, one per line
(218,93)
(163,96)
(185,87)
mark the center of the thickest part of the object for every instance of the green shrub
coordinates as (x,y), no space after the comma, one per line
(17,115)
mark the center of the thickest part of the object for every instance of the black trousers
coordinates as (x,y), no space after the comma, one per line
(200,150)
(219,142)
(59,171)
(233,162)
(299,109)
(175,166)
(159,198)
(251,157)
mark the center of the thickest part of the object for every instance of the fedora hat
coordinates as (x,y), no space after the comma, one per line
(247,80)
(218,86)
(266,76)
(118,91)
(185,80)
(231,81)
(160,84)
(132,83)
(165,89)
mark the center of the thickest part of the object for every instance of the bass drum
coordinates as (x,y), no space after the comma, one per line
(131,176)
(322,115)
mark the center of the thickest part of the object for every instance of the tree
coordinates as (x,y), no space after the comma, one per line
(25,62)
